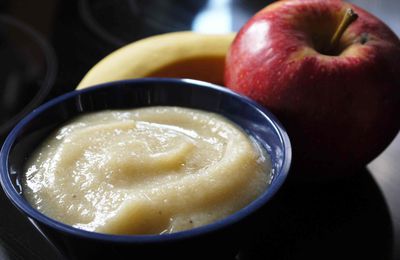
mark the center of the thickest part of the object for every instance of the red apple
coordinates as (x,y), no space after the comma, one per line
(338,96)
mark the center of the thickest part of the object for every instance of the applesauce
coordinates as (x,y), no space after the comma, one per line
(146,171)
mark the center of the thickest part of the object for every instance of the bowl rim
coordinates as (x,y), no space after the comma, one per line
(21,204)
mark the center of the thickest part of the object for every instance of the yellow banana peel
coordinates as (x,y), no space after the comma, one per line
(179,55)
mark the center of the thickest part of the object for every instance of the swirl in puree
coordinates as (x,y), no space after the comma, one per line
(146,171)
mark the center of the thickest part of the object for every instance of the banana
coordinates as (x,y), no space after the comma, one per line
(179,54)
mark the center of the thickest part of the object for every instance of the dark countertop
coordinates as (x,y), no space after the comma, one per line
(358,217)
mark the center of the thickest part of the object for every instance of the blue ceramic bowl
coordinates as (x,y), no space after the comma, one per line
(221,236)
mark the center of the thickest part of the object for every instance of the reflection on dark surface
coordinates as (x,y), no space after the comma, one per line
(346,219)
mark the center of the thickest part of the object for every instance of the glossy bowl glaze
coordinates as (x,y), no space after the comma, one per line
(220,238)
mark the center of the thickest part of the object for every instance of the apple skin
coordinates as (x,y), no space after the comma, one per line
(342,109)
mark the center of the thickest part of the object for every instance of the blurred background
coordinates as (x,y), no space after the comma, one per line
(46,46)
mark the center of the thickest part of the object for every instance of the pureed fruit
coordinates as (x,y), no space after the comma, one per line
(149,170)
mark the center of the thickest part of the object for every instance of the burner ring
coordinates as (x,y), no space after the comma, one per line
(19,29)
(94,26)
(121,22)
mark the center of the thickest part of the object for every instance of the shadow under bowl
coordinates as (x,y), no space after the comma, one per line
(220,238)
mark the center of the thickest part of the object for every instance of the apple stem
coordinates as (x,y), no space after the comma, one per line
(349,17)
